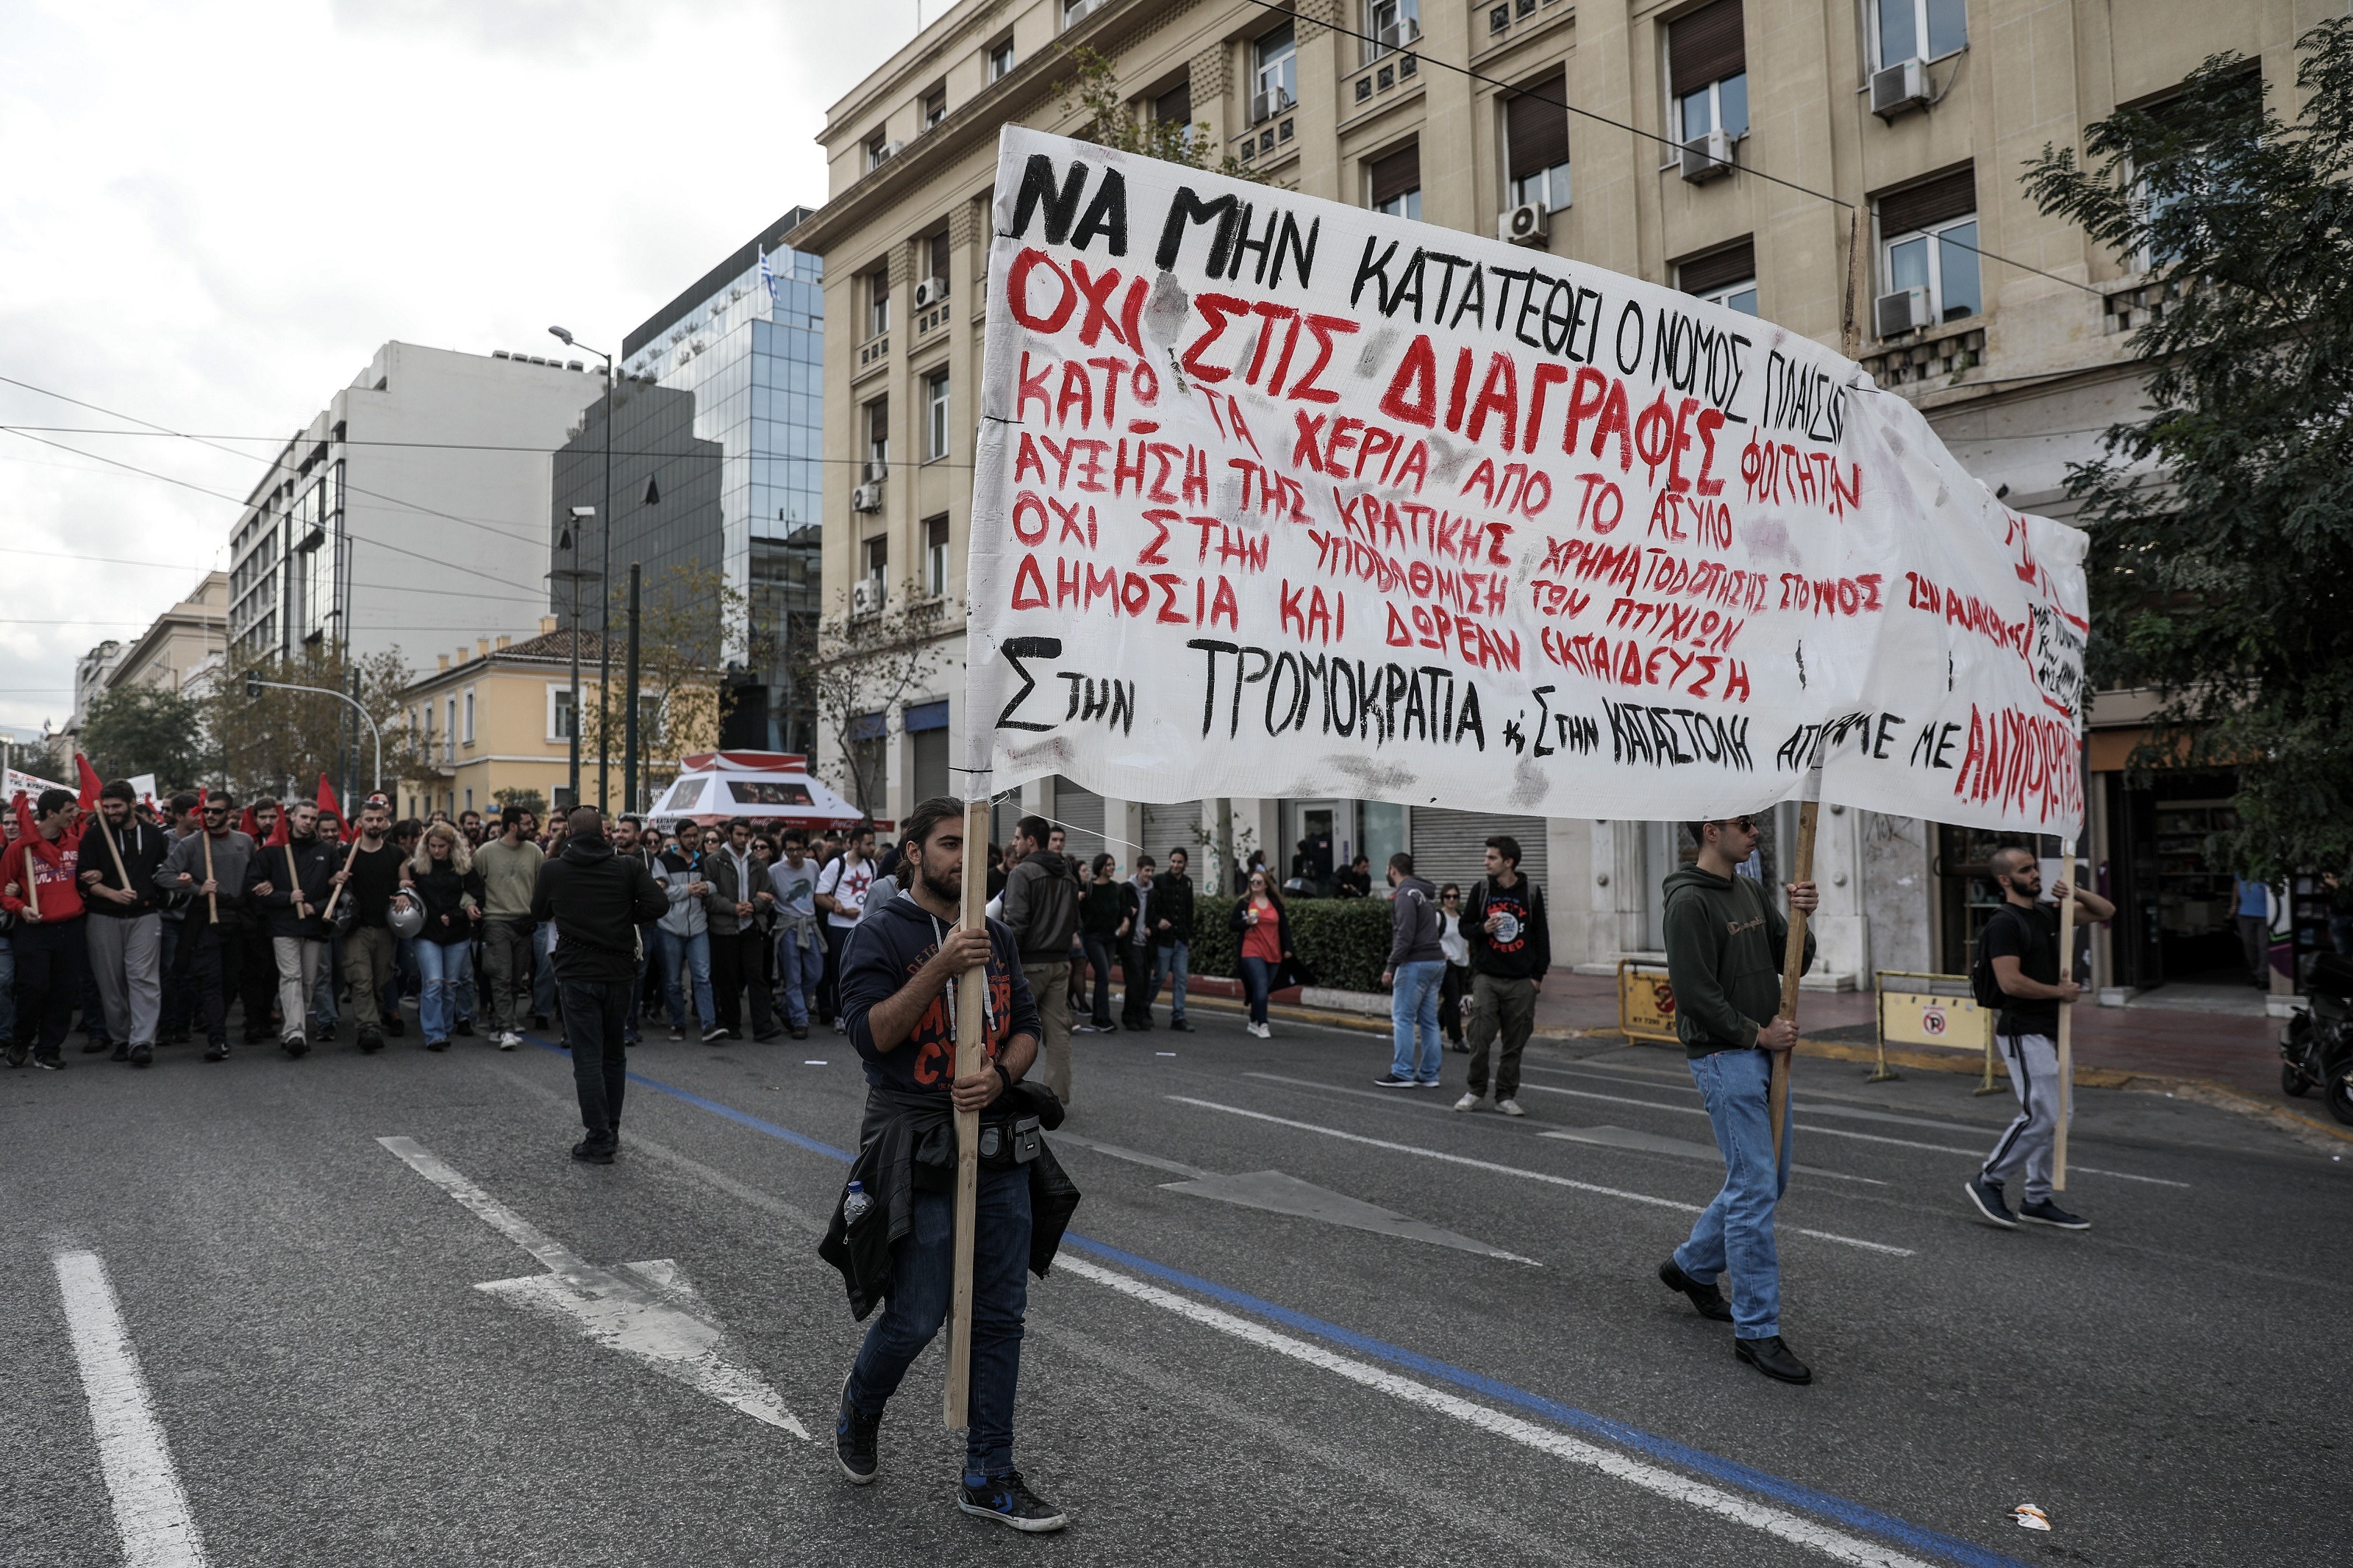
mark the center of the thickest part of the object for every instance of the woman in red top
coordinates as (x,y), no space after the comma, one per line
(1265,931)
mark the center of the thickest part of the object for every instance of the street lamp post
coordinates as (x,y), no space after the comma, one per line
(574,575)
(253,688)
(604,574)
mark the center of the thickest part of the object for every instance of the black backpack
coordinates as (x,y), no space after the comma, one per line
(1982,984)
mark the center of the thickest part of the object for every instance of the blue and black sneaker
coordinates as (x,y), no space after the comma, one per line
(2043,1210)
(1985,1198)
(1008,1500)
(853,1439)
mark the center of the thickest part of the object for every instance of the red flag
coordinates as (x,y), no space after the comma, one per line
(24,812)
(202,795)
(328,804)
(278,834)
(248,825)
(90,782)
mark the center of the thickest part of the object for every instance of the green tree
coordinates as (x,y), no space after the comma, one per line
(1111,121)
(692,626)
(531,800)
(285,740)
(2221,521)
(136,729)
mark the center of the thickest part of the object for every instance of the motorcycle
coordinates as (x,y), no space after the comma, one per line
(2316,1047)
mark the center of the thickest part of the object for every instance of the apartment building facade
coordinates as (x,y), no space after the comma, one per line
(1724,147)
(182,646)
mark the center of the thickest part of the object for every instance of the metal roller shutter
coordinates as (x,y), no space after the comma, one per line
(1176,826)
(1081,812)
(1705,46)
(1452,846)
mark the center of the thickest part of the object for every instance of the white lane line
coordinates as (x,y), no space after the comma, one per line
(1834,1543)
(150,1509)
(1544,1176)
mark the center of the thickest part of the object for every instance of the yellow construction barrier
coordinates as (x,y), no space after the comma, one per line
(1646,1003)
(1932,1010)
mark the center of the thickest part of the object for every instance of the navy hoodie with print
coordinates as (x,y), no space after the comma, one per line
(884,952)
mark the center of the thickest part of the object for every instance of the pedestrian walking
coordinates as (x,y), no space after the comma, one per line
(509,867)
(210,871)
(800,950)
(182,821)
(1455,989)
(1101,916)
(1135,946)
(629,842)
(371,953)
(599,904)
(38,884)
(841,890)
(1265,947)
(2253,901)
(1724,947)
(898,1002)
(2021,946)
(1511,948)
(441,879)
(1172,938)
(289,882)
(120,856)
(1414,973)
(1041,910)
(683,937)
(739,888)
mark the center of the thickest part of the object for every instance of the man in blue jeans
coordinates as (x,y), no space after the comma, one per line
(684,935)
(1415,970)
(1725,945)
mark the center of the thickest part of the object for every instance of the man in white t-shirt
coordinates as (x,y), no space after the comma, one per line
(841,890)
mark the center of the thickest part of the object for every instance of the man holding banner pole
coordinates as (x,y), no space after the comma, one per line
(1726,945)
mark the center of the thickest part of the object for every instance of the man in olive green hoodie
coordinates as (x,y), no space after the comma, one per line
(1725,946)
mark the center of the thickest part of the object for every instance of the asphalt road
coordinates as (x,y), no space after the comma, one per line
(303,1346)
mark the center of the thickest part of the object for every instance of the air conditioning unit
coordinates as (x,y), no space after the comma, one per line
(876,471)
(1708,157)
(930,293)
(866,596)
(888,151)
(865,497)
(1901,87)
(1527,224)
(1398,34)
(1265,106)
(1906,309)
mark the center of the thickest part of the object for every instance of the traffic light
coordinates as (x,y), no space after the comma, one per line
(252,683)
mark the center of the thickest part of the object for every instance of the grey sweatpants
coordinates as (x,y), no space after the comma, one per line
(126,957)
(2026,1144)
(299,959)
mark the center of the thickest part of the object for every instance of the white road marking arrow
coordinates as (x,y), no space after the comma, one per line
(648,1312)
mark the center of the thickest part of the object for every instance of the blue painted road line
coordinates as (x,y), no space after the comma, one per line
(1724,1472)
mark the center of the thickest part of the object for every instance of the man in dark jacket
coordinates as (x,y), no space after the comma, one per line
(1414,971)
(898,1001)
(739,895)
(1511,948)
(120,856)
(289,883)
(1172,939)
(207,868)
(1724,947)
(598,902)
(1041,910)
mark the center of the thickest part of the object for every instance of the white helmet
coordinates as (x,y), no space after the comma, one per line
(406,918)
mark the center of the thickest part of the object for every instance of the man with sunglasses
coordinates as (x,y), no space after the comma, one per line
(214,964)
(1724,947)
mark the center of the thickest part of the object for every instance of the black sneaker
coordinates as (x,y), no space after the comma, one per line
(466,1028)
(713,1035)
(597,1149)
(853,1440)
(539,1021)
(50,1064)
(800,1032)
(295,1046)
(17,1053)
(437,1045)
(217,1051)
(2043,1210)
(1707,1298)
(122,1052)
(1008,1500)
(1391,1081)
(1986,1196)
(369,1042)
(1771,1357)
(1181,1026)
(143,1055)
(395,1025)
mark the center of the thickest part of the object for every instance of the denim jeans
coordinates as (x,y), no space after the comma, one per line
(798,971)
(696,951)
(444,968)
(1413,1006)
(543,977)
(594,1014)
(327,987)
(1171,960)
(922,1268)
(1737,1231)
(1101,957)
(1258,978)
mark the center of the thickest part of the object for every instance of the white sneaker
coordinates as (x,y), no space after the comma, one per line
(1468,1103)
(1261,1031)
(510,1040)
(1510,1108)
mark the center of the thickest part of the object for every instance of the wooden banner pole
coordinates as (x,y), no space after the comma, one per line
(970,1022)
(2066,1017)
(114,850)
(1793,956)
(212,900)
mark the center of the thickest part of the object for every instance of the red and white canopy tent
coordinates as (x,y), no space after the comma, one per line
(755,786)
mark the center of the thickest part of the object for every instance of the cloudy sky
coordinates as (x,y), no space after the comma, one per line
(214,212)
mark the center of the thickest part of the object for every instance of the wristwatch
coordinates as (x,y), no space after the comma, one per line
(1003,1074)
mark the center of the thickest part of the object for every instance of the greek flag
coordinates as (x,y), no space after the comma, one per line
(768,276)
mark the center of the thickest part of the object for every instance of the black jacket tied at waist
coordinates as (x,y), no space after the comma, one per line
(907,1145)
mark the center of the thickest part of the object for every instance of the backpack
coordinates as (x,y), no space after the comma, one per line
(1983,986)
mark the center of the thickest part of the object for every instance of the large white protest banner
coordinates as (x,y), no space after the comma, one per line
(1277,497)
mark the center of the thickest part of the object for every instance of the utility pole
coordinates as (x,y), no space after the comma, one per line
(630,715)
(604,575)
(570,541)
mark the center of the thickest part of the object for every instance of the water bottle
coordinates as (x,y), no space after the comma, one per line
(855,1203)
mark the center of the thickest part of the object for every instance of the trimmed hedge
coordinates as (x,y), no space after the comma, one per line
(1345,940)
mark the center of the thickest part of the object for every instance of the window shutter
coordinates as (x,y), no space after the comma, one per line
(1705,46)
(1731,264)
(1951,194)
(1535,132)
(1398,173)
(1175,107)
(1452,846)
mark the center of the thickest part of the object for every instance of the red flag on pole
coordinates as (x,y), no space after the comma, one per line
(248,824)
(90,782)
(333,809)
(277,831)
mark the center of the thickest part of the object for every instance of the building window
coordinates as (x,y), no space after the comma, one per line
(1395,182)
(1726,277)
(1707,71)
(935,106)
(1274,81)
(1076,11)
(1928,239)
(1536,137)
(877,301)
(1000,59)
(1390,25)
(1918,29)
(936,556)
(469,800)
(935,415)
(560,718)
(879,149)
(1175,107)
(469,718)
(936,250)
(878,438)
(878,567)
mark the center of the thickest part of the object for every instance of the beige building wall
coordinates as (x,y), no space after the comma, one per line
(185,642)
(2018,389)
